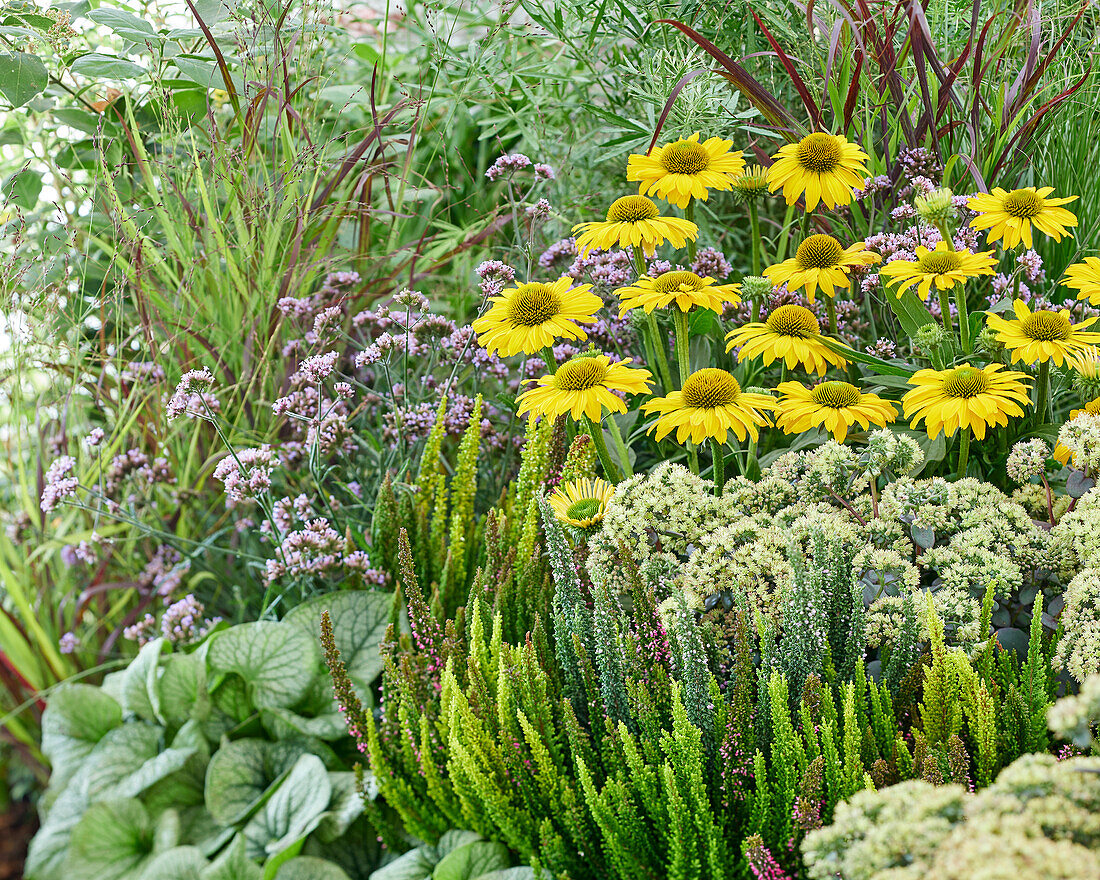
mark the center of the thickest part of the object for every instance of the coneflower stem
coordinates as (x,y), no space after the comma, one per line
(757,245)
(620,446)
(654,333)
(551,361)
(693,245)
(683,336)
(945,312)
(719,466)
(1042,392)
(596,433)
(964,317)
(964,450)
(830,307)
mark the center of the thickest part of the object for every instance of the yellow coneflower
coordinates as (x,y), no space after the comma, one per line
(965,397)
(820,262)
(1062,453)
(823,167)
(834,406)
(529,317)
(751,185)
(634,221)
(791,334)
(1040,336)
(1085,279)
(711,404)
(685,169)
(1009,215)
(686,289)
(584,386)
(942,268)
(582,503)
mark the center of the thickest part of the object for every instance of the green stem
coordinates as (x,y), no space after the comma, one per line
(693,245)
(757,244)
(693,458)
(659,347)
(830,307)
(1016,285)
(964,451)
(719,466)
(551,361)
(683,354)
(945,312)
(964,317)
(620,446)
(596,433)
(1042,392)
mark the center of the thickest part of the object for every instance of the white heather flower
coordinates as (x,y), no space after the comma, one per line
(1027,459)
(59,483)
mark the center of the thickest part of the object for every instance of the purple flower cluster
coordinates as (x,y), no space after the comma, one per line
(59,483)
(246,474)
(495,276)
(183,623)
(507,164)
(192,396)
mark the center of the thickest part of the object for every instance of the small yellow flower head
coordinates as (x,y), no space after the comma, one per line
(1010,215)
(1086,371)
(942,268)
(1040,336)
(634,221)
(711,404)
(581,504)
(529,317)
(685,169)
(752,185)
(684,289)
(821,262)
(965,397)
(834,406)
(792,335)
(822,167)
(584,386)
(1085,279)
(936,207)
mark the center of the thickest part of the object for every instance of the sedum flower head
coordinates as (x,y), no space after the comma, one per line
(1027,459)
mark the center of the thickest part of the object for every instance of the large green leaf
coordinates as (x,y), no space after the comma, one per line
(310,868)
(240,774)
(472,860)
(96,66)
(178,863)
(344,808)
(293,810)
(127,26)
(359,621)
(140,694)
(276,660)
(113,839)
(77,717)
(416,864)
(521,873)
(182,689)
(22,77)
(233,864)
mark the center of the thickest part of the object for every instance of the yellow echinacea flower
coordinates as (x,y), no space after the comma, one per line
(711,404)
(685,169)
(582,503)
(1009,215)
(685,289)
(634,221)
(820,262)
(823,167)
(1085,279)
(791,334)
(965,397)
(529,317)
(584,386)
(834,406)
(1040,336)
(942,268)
